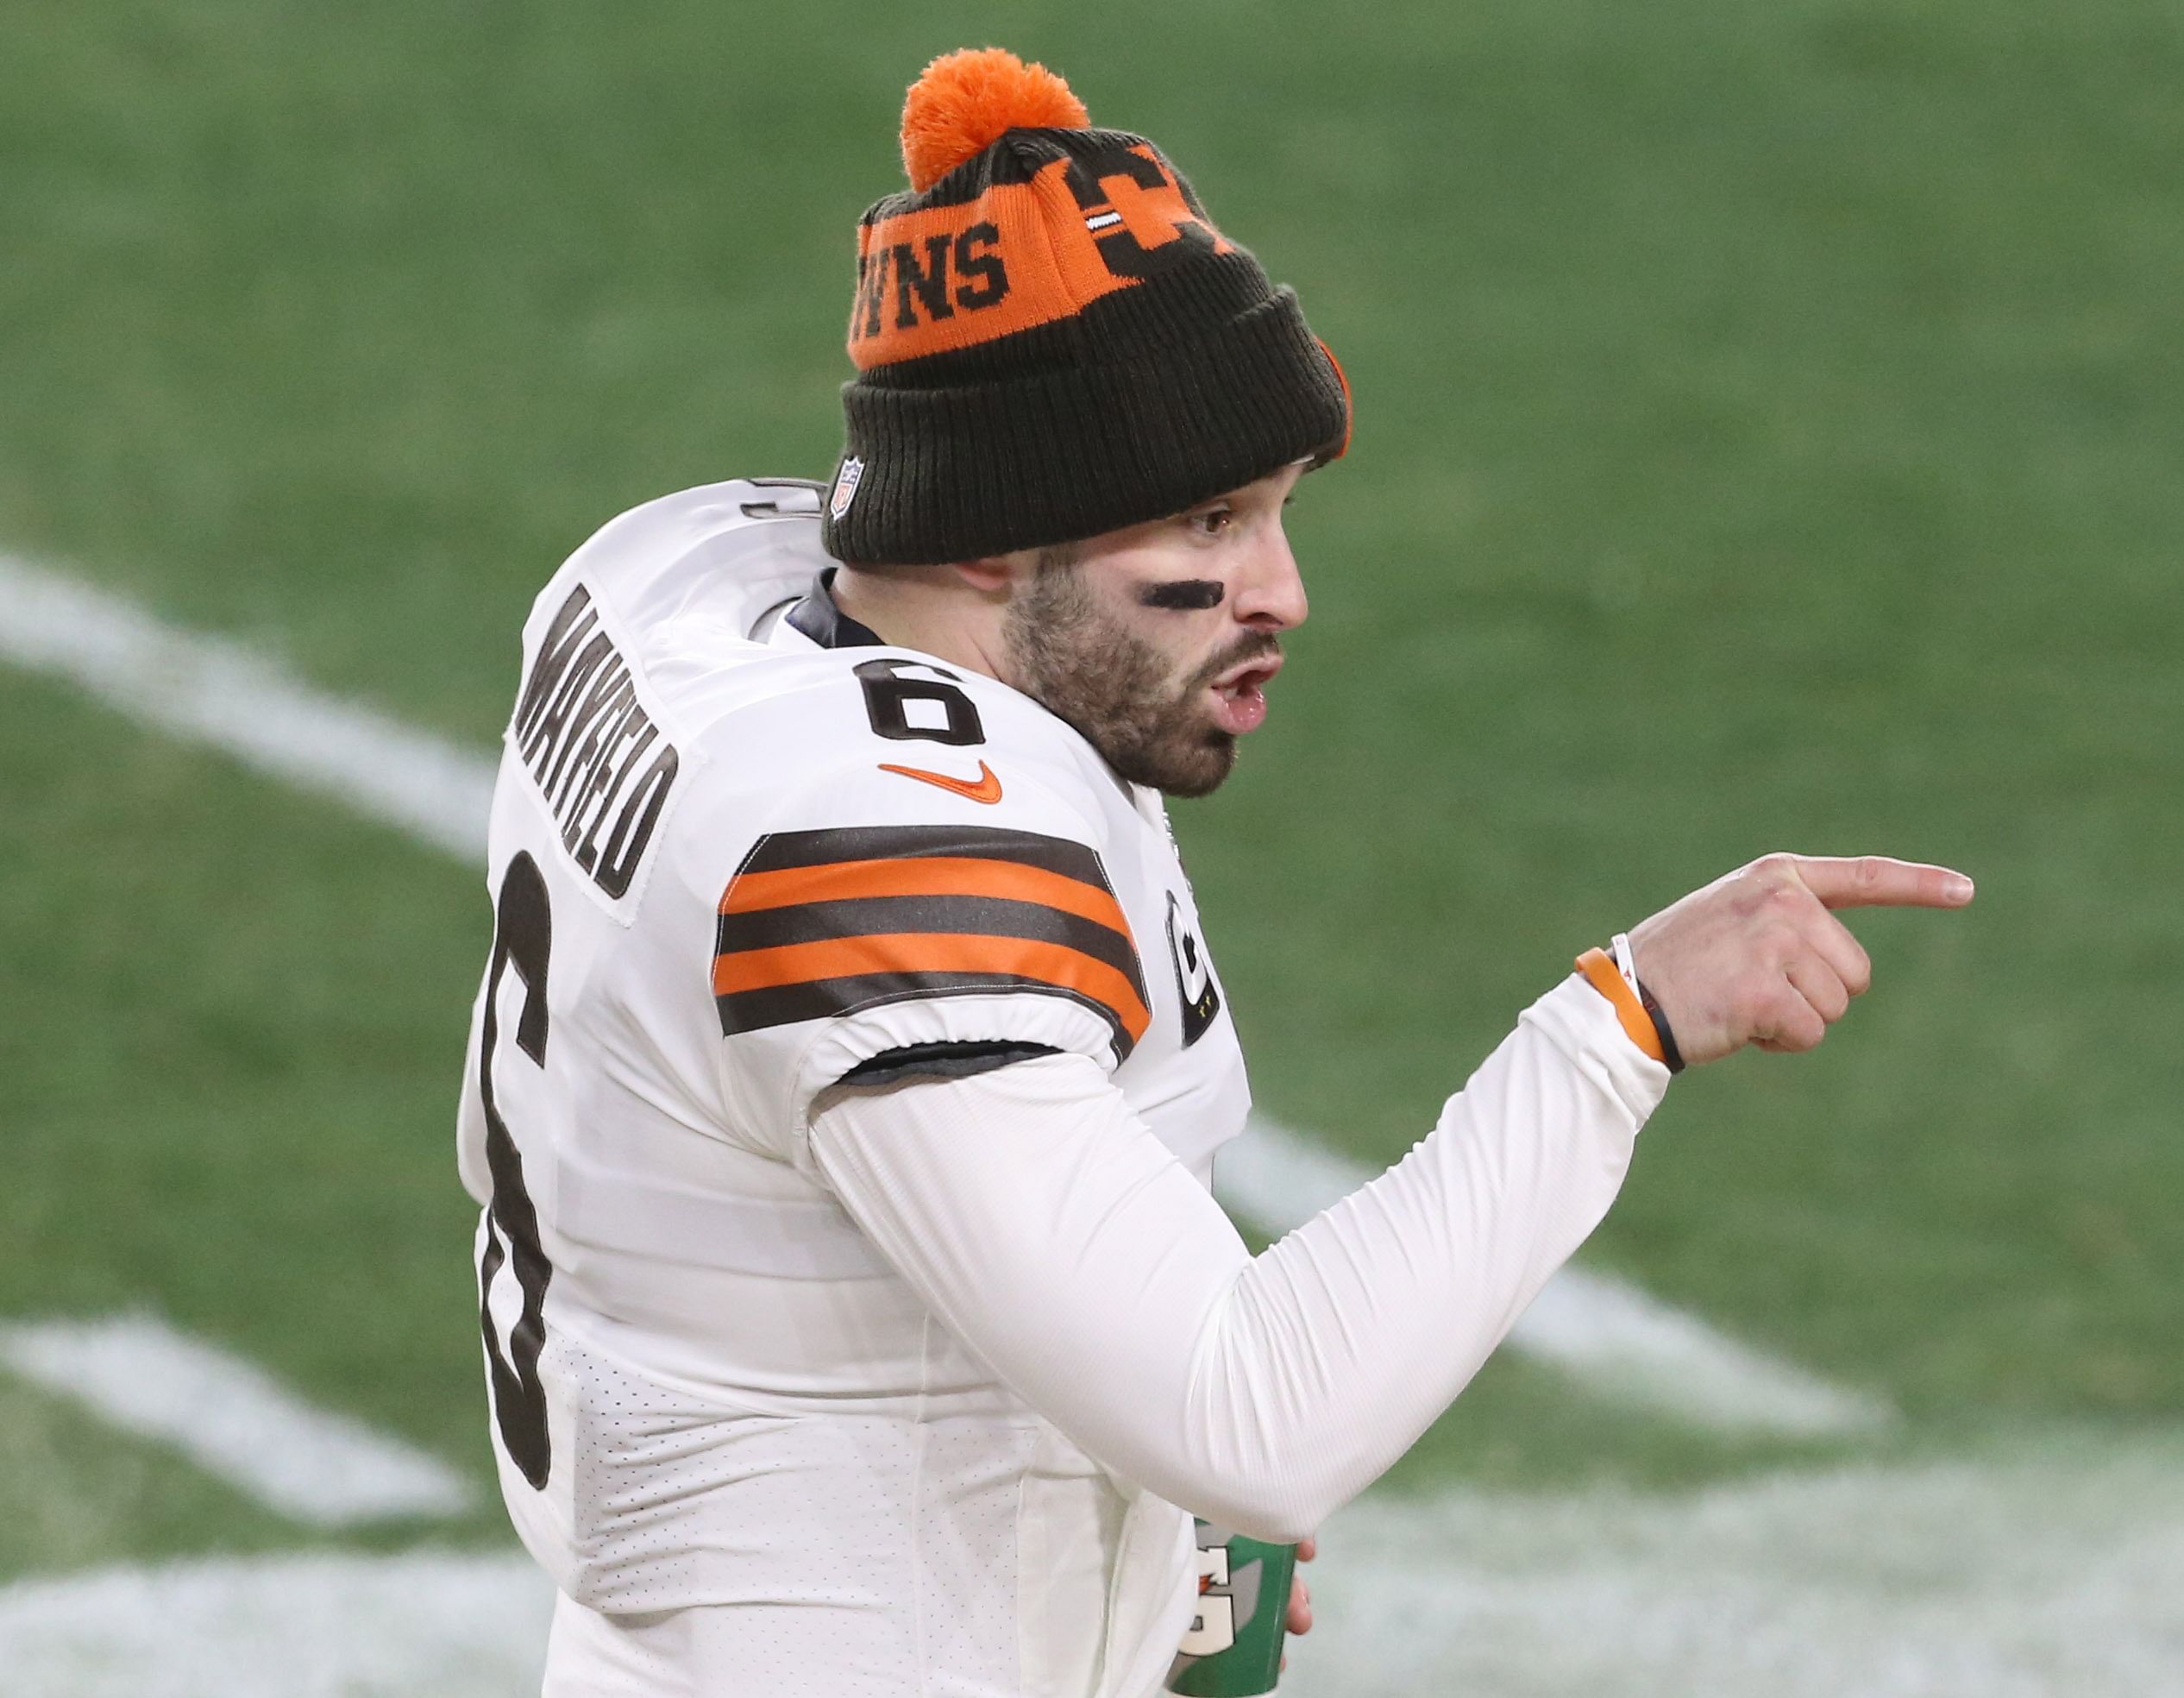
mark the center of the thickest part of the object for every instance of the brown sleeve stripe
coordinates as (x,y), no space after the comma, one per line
(778,850)
(820,922)
(815,848)
(962,916)
(817,999)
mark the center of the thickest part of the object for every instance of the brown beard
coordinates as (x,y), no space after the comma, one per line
(1080,664)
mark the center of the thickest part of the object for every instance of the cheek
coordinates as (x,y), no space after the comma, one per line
(1150,654)
(1169,647)
(1186,660)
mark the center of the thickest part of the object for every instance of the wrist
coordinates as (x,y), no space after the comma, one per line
(1671,1056)
(1610,972)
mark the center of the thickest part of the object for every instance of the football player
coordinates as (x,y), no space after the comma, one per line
(848,1072)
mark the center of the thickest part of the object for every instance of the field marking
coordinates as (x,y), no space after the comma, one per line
(1614,1337)
(221,693)
(2047,1570)
(2053,1569)
(233,1421)
(423,1624)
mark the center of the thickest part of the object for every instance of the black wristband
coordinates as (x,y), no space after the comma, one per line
(1669,1053)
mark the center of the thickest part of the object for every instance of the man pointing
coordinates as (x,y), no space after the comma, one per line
(848,1075)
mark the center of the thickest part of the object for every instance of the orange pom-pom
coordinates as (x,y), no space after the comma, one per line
(967,99)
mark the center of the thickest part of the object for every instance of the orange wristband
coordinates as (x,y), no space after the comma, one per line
(1600,972)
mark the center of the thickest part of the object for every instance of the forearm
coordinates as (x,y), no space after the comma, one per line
(1406,1286)
(1060,1240)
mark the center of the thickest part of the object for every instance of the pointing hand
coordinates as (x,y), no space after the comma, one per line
(1757,957)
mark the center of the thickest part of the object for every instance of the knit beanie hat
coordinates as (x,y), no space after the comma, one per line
(1052,338)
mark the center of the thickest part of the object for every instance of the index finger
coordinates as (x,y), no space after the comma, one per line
(1877,881)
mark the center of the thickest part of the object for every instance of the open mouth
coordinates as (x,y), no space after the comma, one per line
(1240,695)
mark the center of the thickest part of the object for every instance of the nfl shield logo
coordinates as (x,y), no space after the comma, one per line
(845,484)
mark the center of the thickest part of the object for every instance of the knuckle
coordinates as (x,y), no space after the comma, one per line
(1792,896)
(1801,1023)
(1797,1026)
(1784,898)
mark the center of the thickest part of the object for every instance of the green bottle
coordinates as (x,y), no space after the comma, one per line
(1234,1649)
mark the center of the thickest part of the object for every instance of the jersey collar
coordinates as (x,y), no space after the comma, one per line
(819,618)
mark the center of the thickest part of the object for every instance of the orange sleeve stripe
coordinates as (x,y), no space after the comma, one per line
(1600,972)
(923,876)
(933,952)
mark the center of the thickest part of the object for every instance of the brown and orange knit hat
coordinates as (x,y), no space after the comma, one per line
(1052,338)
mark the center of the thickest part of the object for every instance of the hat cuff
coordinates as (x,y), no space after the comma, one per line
(973,470)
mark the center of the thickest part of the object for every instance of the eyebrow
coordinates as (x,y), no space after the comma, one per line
(1184,595)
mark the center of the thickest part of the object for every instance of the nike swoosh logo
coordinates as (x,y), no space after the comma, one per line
(984,788)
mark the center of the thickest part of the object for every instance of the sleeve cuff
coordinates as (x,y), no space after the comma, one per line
(1586,1028)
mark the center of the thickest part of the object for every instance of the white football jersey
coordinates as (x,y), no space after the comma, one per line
(741,850)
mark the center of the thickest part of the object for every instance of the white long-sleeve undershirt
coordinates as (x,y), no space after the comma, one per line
(1043,1225)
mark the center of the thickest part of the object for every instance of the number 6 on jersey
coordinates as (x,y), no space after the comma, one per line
(523,939)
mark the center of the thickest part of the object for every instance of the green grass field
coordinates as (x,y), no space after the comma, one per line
(1768,423)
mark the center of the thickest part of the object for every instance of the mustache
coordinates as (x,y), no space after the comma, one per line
(1259,645)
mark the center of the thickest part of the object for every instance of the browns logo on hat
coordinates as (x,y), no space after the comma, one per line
(1052,337)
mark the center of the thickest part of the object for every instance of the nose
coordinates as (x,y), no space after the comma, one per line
(1270,591)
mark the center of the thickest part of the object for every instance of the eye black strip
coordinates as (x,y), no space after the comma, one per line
(1185,595)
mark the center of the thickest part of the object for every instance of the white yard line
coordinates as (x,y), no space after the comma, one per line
(2053,1570)
(2047,1570)
(221,693)
(1620,1342)
(233,1421)
(423,1624)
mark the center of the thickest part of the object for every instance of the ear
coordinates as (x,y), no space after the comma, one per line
(992,576)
